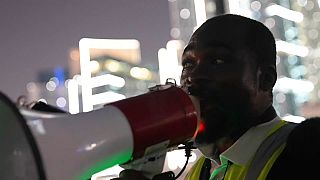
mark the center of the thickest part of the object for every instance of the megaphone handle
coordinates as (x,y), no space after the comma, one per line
(149,167)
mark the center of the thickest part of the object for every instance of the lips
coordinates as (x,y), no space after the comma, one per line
(200,93)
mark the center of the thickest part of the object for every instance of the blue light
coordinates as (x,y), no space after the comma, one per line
(59,74)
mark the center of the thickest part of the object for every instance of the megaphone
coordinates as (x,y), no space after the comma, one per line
(38,145)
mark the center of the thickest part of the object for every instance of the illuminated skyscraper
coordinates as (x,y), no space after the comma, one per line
(109,71)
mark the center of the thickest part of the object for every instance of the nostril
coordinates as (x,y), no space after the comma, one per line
(192,90)
(189,80)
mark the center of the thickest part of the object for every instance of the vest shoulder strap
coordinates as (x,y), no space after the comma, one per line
(266,150)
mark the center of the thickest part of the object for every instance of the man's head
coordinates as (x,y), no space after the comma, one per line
(229,64)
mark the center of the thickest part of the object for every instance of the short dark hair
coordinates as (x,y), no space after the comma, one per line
(257,37)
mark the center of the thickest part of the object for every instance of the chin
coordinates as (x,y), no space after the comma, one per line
(209,151)
(214,129)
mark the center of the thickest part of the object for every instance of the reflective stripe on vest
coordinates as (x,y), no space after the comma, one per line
(266,151)
(195,171)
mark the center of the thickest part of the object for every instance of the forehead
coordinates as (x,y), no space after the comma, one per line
(200,44)
(213,35)
(195,52)
(204,49)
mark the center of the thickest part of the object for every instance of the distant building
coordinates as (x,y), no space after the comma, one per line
(113,74)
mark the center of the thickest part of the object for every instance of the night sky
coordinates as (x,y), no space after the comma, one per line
(37,34)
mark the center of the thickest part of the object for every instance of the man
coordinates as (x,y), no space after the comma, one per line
(229,65)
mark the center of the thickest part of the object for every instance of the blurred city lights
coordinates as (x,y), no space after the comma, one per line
(298,71)
(302,3)
(105,79)
(51,86)
(168,65)
(309,6)
(291,33)
(109,43)
(140,73)
(78,78)
(234,6)
(277,10)
(84,48)
(55,80)
(168,61)
(61,102)
(85,44)
(200,10)
(255,5)
(112,65)
(175,33)
(163,65)
(280,97)
(316,16)
(286,84)
(313,34)
(294,119)
(278,59)
(94,66)
(290,48)
(74,55)
(185,13)
(66,83)
(270,23)
(73,96)
(292,60)
(31,86)
(106,97)
(141,85)
(314,79)
(211,6)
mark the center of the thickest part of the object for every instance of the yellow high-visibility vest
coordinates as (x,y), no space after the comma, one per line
(238,172)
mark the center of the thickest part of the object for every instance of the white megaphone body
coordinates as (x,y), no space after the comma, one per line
(38,145)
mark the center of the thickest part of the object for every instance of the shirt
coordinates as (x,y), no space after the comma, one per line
(242,151)
(248,143)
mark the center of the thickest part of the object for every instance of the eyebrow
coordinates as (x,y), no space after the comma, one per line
(192,46)
(219,45)
(189,47)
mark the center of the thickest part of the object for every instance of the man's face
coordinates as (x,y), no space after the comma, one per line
(225,81)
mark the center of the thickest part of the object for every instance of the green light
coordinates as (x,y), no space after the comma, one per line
(108,162)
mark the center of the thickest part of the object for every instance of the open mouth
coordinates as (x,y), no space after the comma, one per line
(201,91)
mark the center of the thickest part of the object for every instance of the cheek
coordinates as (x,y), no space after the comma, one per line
(183,78)
(234,96)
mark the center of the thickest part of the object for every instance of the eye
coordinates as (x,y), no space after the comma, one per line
(218,61)
(187,65)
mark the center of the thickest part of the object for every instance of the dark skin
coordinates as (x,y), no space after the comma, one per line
(234,90)
(228,82)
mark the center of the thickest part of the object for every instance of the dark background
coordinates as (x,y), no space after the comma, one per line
(36,35)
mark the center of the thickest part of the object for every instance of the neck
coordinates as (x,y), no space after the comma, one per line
(266,116)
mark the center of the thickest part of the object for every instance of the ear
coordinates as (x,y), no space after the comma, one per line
(268,78)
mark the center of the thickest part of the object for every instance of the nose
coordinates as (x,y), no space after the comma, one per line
(190,87)
(188,80)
